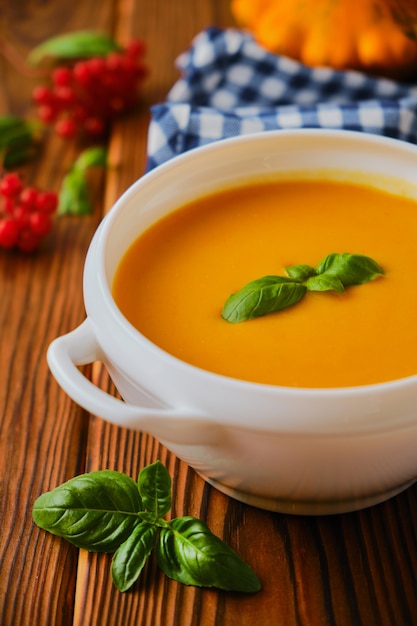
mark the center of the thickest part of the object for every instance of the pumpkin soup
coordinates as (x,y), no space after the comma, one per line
(173,281)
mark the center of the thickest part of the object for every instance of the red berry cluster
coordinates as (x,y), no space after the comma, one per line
(26,214)
(84,97)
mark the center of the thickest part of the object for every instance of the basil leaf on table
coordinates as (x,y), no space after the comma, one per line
(130,558)
(262,296)
(154,484)
(106,511)
(95,511)
(189,553)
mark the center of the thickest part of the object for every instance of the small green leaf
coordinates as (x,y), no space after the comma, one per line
(76,45)
(18,140)
(300,272)
(130,558)
(74,197)
(351,269)
(324,282)
(95,156)
(262,296)
(155,489)
(95,511)
(189,553)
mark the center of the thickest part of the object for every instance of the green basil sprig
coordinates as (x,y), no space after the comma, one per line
(106,511)
(275,293)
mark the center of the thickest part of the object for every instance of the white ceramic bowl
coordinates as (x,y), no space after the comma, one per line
(304,451)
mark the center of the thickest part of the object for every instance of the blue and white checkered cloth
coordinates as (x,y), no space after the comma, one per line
(231,86)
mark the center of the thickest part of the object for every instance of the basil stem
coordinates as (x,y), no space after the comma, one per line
(106,511)
(275,293)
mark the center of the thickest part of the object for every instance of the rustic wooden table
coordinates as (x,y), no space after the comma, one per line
(344,570)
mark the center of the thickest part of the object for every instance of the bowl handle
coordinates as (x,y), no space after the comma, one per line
(80,347)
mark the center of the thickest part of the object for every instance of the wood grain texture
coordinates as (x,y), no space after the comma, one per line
(358,569)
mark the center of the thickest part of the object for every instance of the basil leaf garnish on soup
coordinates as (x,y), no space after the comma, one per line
(351,269)
(271,294)
(262,296)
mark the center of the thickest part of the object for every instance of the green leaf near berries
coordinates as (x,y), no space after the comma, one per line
(95,511)
(189,553)
(75,45)
(91,157)
(74,197)
(18,140)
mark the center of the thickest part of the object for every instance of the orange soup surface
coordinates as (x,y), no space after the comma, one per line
(173,281)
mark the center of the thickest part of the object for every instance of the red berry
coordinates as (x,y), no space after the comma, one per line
(96,66)
(28,197)
(42,95)
(47,113)
(65,96)
(66,128)
(41,223)
(47,202)
(9,232)
(62,76)
(8,205)
(21,215)
(11,185)
(82,72)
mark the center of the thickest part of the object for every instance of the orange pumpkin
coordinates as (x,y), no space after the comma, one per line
(375,36)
